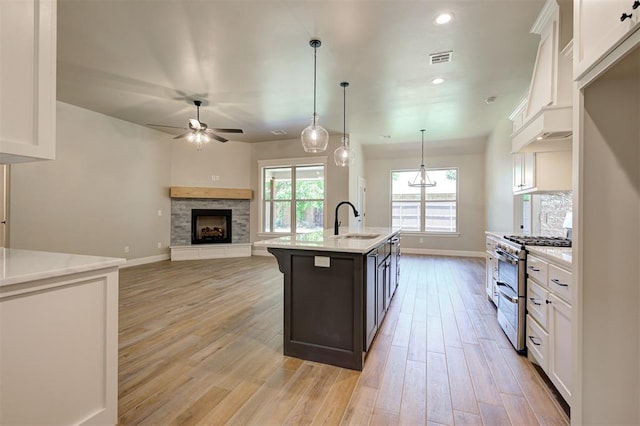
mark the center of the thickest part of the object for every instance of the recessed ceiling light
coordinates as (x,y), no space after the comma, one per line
(444,18)
(437,80)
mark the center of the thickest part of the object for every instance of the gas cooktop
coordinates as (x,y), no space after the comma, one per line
(527,240)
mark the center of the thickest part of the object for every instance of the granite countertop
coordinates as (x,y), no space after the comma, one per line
(326,241)
(21,266)
(558,255)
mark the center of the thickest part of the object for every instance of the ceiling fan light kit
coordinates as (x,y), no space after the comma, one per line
(343,156)
(314,137)
(422,178)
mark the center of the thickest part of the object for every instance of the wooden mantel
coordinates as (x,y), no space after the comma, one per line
(215,193)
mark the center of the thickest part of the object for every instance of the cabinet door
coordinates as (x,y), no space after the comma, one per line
(528,170)
(28,101)
(517,172)
(370,323)
(598,30)
(560,346)
(489,277)
(380,292)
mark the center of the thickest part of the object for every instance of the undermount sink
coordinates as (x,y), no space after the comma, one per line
(359,236)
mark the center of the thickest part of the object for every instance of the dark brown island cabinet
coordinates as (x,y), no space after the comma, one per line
(336,293)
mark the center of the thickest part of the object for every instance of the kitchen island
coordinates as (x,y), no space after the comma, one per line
(337,289)
(58,338)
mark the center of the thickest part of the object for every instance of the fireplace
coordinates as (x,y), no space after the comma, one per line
(210,226)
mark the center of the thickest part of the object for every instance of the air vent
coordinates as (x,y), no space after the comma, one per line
(440,58)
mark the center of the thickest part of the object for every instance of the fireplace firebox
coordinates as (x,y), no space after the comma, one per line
(210,226)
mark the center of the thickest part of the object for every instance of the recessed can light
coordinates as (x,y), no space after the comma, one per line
(437,80)
(444,18)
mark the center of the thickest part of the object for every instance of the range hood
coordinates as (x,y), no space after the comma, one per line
(545,116)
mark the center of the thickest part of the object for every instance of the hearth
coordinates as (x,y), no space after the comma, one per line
(210,226)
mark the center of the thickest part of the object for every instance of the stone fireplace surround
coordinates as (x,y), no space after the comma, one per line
(181,247)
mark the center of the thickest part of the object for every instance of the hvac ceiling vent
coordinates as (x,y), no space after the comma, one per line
(440,58)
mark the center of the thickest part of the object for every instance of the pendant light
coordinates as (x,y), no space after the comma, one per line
(314,138)
(343,156)
(422,178)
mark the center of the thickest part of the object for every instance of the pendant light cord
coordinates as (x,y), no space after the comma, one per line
(344,115)
(315,60)
(422,151)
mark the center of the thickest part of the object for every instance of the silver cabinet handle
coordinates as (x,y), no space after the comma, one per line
(533,300)
(557,281)
(533,340)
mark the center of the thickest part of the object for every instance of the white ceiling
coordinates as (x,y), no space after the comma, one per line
(250,62)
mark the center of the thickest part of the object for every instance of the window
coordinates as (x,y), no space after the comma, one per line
(292,199)
(431,209)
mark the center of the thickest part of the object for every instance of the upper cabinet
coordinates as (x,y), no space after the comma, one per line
(27,80)
(546,114)
(542,172)
(600,26)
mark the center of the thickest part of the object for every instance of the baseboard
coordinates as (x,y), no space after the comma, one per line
(436,252)
(260,251)
(145,260)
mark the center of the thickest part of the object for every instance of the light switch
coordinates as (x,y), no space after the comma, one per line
(322,261)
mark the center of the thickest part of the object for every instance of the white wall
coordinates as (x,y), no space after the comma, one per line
(337,177)
(499,179)
(220,165)
(471,206)
(102,192)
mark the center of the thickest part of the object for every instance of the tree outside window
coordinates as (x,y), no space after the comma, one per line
(293,198)
(431,209)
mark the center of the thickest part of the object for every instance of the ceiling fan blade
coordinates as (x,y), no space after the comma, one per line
(229,130)
(183,135)
(216,137)
(169,127)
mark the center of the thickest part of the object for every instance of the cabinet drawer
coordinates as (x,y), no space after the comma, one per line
(560,282)
(537,343)
(537,269)
(537,305)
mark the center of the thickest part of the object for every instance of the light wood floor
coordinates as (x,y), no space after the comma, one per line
(201,343)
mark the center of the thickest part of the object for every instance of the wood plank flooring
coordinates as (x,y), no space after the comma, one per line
(201,343)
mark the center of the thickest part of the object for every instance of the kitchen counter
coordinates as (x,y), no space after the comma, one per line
(59,351)
(20,266)
(326,241)
(337,290)
(557,255)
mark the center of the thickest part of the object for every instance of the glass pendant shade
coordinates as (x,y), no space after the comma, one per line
(422,177)
(343,156)
(314,137)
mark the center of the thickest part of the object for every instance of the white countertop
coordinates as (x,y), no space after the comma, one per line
(558,255)
(326,241)
(20,266)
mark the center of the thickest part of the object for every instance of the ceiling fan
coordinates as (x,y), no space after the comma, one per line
(198,131)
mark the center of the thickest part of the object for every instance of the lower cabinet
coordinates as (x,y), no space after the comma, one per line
(549,321)
(370,308)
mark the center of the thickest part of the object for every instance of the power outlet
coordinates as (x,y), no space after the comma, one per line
(215,178)
(421,240)
(159,245)
(159,212)
(126,249)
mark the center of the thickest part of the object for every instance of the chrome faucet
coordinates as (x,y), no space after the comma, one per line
(336,224)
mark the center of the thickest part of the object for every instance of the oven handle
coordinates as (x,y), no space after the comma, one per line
(509,298)
(506,257)
(503,284)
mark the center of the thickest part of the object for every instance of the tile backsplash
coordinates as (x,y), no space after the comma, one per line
(553,209)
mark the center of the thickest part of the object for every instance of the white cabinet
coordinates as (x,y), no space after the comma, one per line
(549,338)
(27,80)
(541,171)
(598,29)
(491,270)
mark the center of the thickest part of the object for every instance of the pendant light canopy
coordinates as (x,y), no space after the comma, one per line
(314,138)
(343,156)
(422,178)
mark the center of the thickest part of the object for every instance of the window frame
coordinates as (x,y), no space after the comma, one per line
(292,163)
(422,204)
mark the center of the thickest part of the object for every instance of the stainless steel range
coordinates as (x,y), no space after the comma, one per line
(512,282)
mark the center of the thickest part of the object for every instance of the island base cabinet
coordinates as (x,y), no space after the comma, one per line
(59,350)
